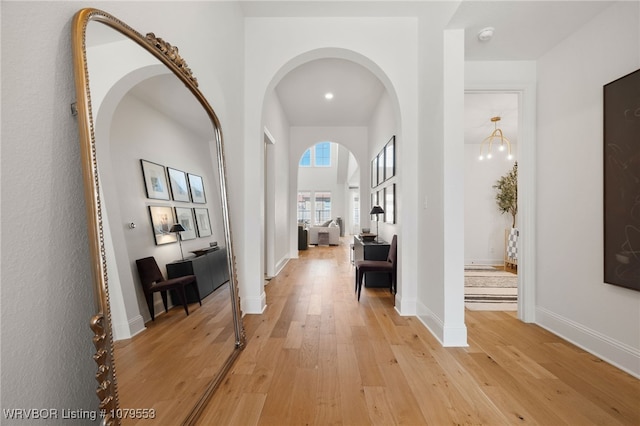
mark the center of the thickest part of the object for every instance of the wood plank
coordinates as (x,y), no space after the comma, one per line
(248,410)
(321,358)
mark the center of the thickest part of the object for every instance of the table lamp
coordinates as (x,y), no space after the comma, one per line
(178,228)
(377,210)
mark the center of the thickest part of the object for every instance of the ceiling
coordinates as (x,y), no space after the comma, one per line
(524,30)
(169,96)
(356,93)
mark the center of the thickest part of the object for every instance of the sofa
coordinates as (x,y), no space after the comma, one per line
(332,229)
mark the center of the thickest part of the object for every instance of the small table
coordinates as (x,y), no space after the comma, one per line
(323,238)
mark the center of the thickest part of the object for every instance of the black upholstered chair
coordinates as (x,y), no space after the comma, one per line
(389,266)
(152,281)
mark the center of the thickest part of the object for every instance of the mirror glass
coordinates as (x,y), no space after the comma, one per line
(153,158)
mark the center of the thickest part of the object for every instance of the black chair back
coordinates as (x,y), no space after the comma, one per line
(149,272)
(393,251)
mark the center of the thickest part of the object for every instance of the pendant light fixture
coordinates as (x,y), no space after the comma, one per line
(488,142)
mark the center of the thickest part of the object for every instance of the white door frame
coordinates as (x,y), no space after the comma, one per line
(269,205)
(527,189)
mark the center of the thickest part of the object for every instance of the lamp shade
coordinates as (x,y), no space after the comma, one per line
(376,210)
(177,227)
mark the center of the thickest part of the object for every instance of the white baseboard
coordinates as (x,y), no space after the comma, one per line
(136,325)
(128,330)
(448,336)
(404,306)
(281,264)
(254,305)
(610,350)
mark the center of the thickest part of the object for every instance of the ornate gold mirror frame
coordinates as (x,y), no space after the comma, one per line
(107,390)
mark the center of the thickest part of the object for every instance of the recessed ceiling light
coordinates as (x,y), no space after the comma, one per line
(328,95)
(485,34)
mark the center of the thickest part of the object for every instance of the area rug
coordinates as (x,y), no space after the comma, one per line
(487,290)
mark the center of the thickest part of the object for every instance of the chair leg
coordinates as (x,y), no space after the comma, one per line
(360,277)
(164,300)
(149,298)
(183,296)
(356,280)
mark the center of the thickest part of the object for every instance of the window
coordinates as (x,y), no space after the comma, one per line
(318,156)
(356,209)
(323,207)
(323,154)
(305,160)
(304,207)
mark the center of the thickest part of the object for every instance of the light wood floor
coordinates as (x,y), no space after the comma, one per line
(168,366)
(318,357)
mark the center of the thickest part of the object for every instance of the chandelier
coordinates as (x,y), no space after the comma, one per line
(488,142)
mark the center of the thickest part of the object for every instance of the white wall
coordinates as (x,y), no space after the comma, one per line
(382,127)
(423,209)
(47,295)
(278,182)
(572,299)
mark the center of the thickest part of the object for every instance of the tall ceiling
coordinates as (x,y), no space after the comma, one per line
(523,30)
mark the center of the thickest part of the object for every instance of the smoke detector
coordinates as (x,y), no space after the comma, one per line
(485,34)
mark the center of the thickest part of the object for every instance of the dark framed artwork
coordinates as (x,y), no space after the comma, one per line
(155,180)
(381,177)
(196,187)
(162,220)
(179,185)
(622,181)
(202,221)
(374,172)
(390,204)
(390,158)
(184,216)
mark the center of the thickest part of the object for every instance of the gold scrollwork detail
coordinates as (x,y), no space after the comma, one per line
(105,389)
(171,52)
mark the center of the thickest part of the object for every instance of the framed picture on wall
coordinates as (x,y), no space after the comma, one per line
(184,217)
(161,221)
(377,200)
(197,189)
(374,172)
(179,185)
(621,185)
(381,177)
(155,180)
(390,204)
(202,221)
(374,202)
(390,158)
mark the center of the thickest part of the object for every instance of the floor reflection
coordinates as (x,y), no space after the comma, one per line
(167,367)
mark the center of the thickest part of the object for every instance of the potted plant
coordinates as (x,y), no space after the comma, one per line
(507,193)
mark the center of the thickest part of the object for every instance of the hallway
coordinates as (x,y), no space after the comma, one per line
(317,356)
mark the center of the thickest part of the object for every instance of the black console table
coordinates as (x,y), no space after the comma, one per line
(210,269)
(372,250)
